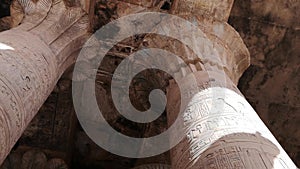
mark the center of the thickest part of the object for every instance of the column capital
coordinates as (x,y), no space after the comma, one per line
(218,9)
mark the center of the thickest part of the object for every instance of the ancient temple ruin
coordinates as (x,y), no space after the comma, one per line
(42,41)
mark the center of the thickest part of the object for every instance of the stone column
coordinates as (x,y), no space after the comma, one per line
(32,58)
(221,129)
(153,166)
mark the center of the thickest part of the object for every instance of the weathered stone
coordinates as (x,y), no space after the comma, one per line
(214,112)
(262,39)
(33,56)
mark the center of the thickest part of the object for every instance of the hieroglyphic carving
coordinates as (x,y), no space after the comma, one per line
(19,80)
(4,141)
(212,110)
(217,113)
(32,74)
(239,151)
(11,107)
(30,67)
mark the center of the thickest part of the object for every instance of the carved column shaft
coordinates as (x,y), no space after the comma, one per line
(222,130)
(32,58)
